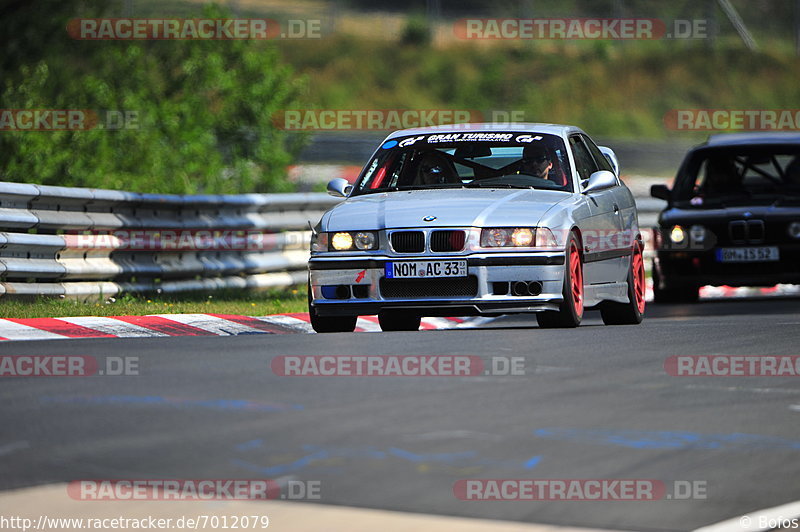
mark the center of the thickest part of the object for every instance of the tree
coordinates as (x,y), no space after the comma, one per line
(203,109)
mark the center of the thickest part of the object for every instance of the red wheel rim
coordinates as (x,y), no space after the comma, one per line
(576,275)
(639,282)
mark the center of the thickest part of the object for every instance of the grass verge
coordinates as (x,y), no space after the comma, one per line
(222,302)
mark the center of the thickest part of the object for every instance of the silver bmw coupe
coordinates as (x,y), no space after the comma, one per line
(479,219)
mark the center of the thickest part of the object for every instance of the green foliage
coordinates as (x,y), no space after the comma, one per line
(610,89)
(417,31)
(203,113)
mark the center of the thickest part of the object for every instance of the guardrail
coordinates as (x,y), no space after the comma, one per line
(92,243)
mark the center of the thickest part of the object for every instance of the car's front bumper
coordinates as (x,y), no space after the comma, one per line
(477,294)
(699,268)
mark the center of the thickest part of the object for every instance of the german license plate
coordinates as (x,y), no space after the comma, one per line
(749,254)
(425,269)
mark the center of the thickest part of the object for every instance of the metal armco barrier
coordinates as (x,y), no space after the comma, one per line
(66,242)
(82,243)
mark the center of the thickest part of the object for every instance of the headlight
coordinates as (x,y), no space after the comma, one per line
(500,237)
(677,235)
(342,241)
(495,238)
(522,237)
(794,230)
(360,240)
(697,233)
(364,240)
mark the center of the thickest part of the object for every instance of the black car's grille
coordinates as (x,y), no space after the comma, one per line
(447,240)
(421,288)
(746,231)
(408,241)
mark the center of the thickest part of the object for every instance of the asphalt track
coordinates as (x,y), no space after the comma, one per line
(594,403)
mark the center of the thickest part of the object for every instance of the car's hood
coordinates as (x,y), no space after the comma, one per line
(451,208)
(705,215)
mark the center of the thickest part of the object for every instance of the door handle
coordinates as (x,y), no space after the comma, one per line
(616,209)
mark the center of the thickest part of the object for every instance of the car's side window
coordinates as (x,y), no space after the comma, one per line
(601,160)
(584,162)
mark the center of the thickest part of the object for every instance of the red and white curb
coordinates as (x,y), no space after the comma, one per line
(162,325)
(300,322)
(724,292)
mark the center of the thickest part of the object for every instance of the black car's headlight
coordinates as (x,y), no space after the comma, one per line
(500,237)
(677,234)
(794,230)
(352,240)
(697,233)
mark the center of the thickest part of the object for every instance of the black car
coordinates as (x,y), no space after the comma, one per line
(732,218)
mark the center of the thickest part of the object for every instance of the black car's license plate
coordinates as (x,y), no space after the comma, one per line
(748,254)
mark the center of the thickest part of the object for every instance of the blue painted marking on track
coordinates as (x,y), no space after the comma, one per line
(533,462)
(313,455)
(252,444)
(283,469)
(347,452)
(644,439)
(175,402)
(440,457)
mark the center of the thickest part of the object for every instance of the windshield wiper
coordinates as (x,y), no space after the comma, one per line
(494,185)
(408,187)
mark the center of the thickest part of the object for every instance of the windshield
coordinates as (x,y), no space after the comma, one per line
(457,160)
(741,174)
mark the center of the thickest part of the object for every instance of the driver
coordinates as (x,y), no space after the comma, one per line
(793,171)
(535,161)
(434,169)
(721,177)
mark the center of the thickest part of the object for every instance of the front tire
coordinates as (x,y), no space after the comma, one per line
(570,312)
(630,313)
(394,320)
(330,324)
(672,293)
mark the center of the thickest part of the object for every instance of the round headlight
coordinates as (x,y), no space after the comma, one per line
(677,234)
(365,240)
(342,241)
(794,230)
(697,233)
(522,237)
(496,238)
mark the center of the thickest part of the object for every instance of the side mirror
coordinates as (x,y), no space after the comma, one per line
(660,192)
(600,180)
(339,187)
(612,158)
